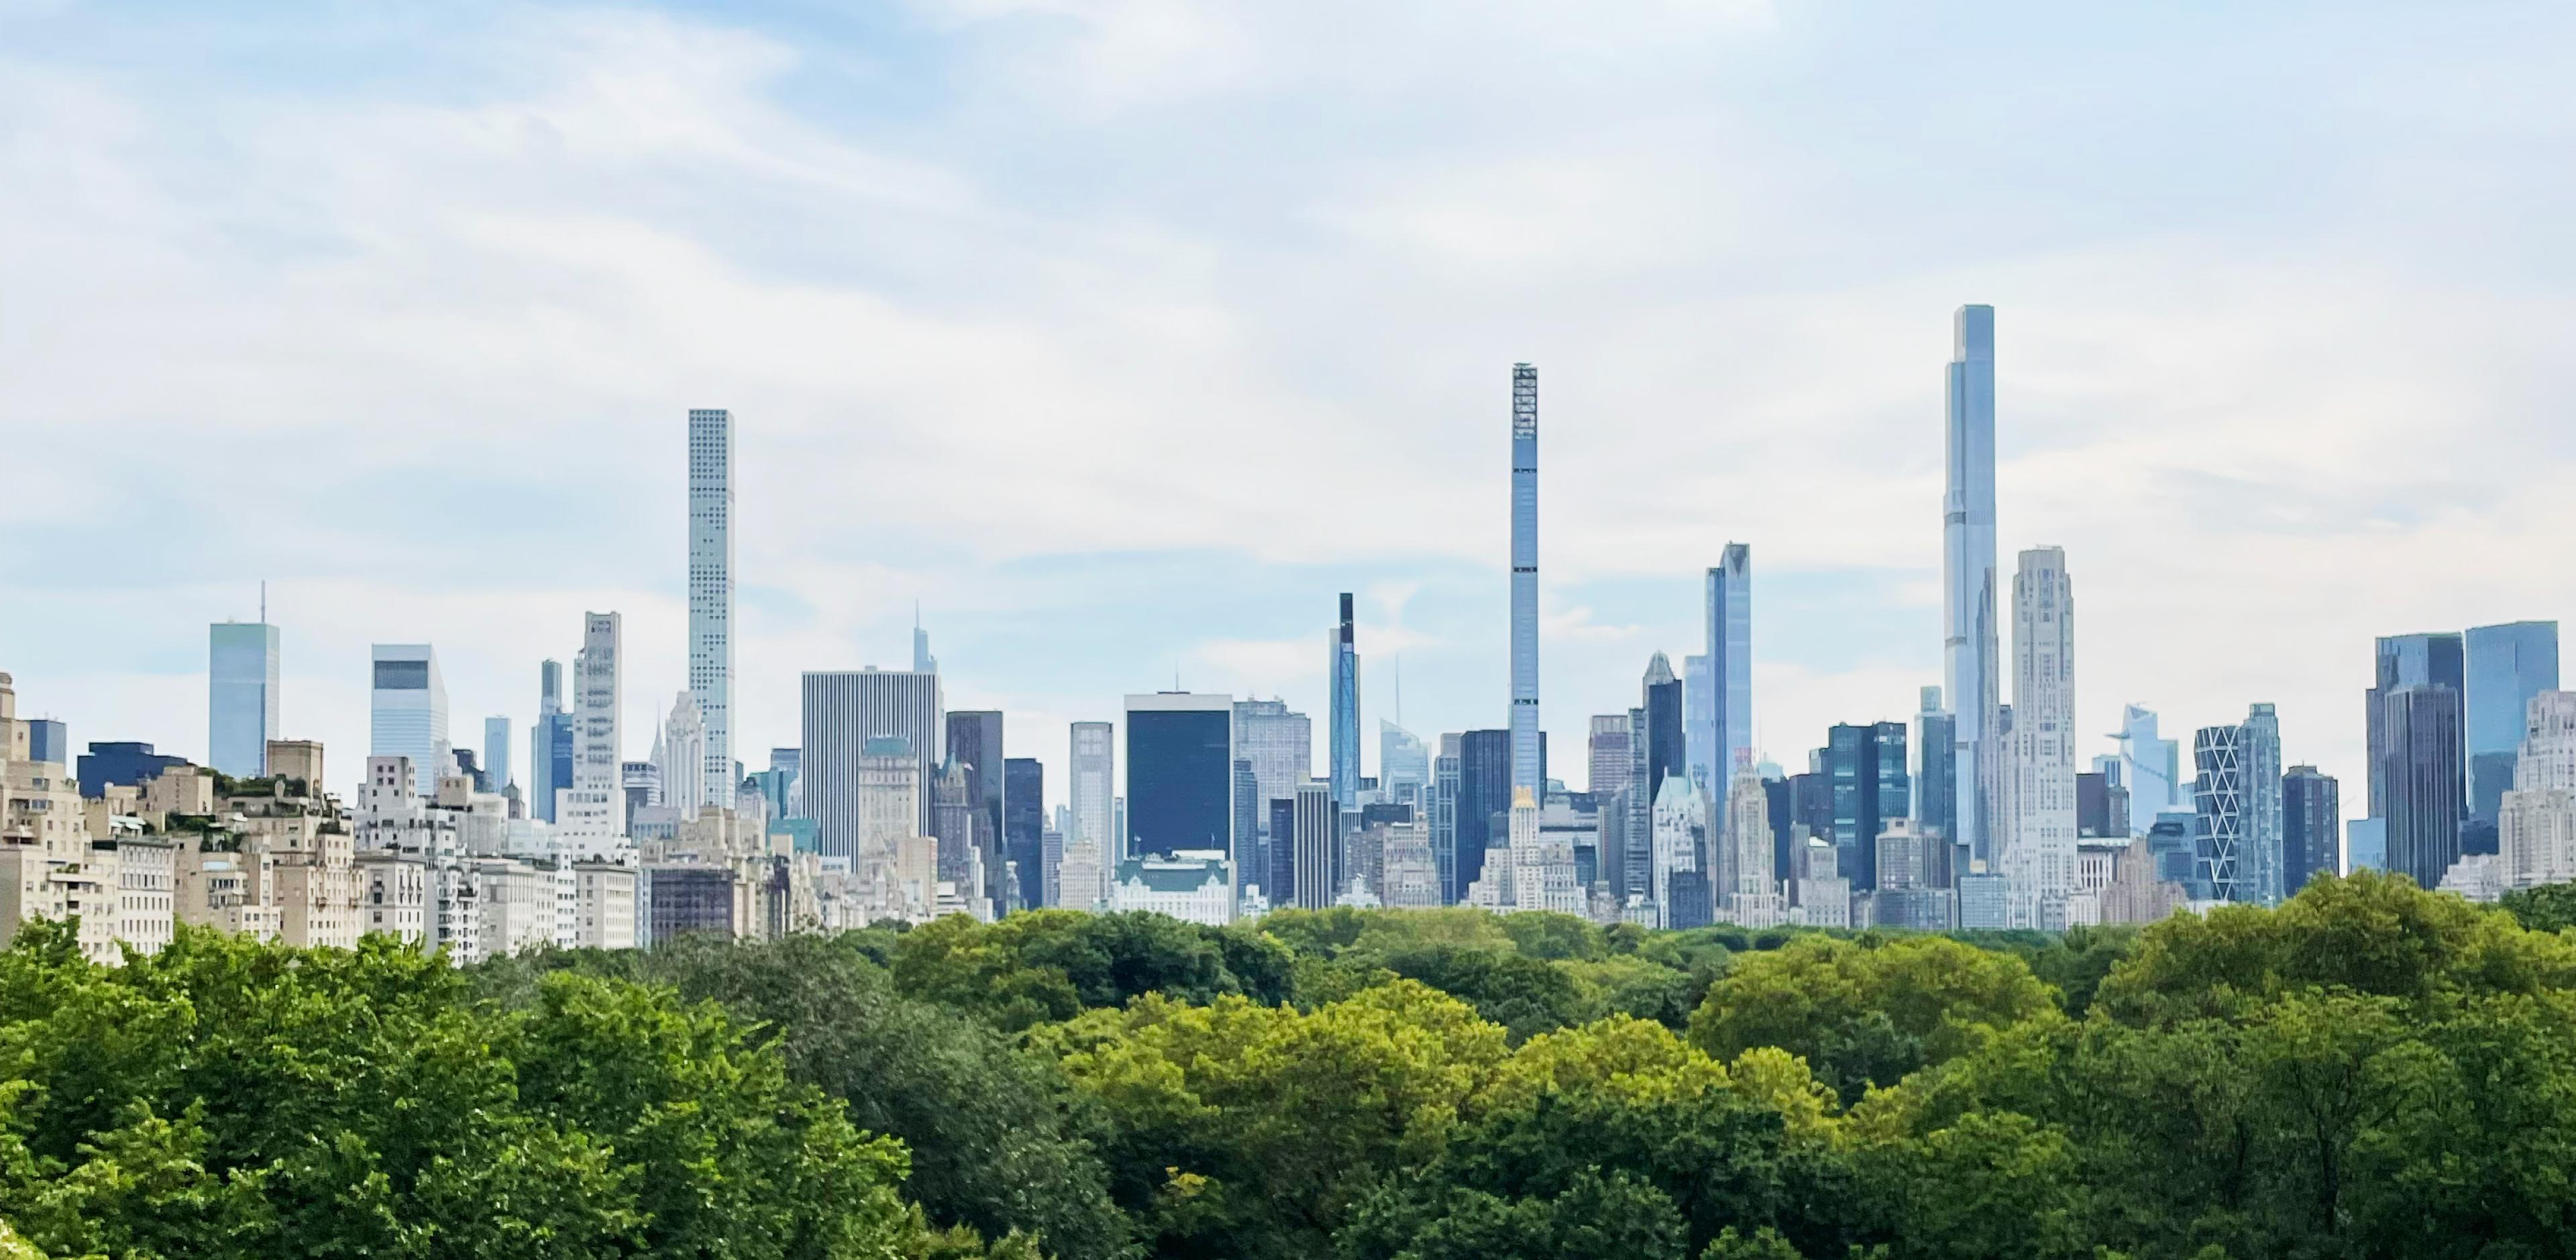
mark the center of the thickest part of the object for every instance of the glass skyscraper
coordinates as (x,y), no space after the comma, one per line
(1180,773)
(1343,739)
(1970,655)
(1527,754)
(711,595)
(1728,623)
(407,711)
(2506,666)
(241,697)
(1866,766)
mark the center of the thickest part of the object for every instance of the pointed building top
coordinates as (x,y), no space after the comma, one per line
(1659,671)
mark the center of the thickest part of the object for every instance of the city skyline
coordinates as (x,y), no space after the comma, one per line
(2157,413)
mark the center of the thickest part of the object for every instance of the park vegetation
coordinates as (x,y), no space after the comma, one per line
(2367,1071)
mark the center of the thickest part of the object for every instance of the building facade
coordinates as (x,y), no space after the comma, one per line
(407,711)
(241,697)
(1971,657)
(711,658)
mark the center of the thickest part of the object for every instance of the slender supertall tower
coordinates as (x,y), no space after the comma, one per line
(1345,737)
(711,597)
(1968,644)
(1524,727)
(1730,666)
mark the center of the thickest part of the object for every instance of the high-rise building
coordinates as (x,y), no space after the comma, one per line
(2537,818)
(549,744)
(1024,828)
(1091,779)
(1180,773)
(1745,871)
(2041,812)
(2264,863)
(1484,800)
(2150,768)
(2407,660)
(1728,613)
(2422,793)
(1681,882)
(1314,845)
(407,711)
(2218,753)
(1528,758)
(2506,666)
(1607,763)
(1280,744)
(1448,773)
(1344,742)
(1865,764)
(1970,655)
(922,661)
(683,759)
(841,712)
(711,596)
(592,811)
(975,742)
(241,697)
(958,823)
(1699,723)
(1403,765)
(1666,743)
(2311,827)
(496,751)
(1934,782)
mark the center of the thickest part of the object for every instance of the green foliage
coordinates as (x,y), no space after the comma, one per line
(2549,908)
(1054,964)
(229,1099)
(1868,1012)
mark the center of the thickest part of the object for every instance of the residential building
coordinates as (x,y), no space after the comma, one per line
(2504,668)
(1528,753)
(1024,831)
(1484,802)
(1448,779)
(1343,670)
(1752,897)
(2437,661)
(1315,870)
(2040,808)
(496,753)
(1403,766)
(2537,816)
(684,758)
(1971,657)
(592,812)
(1865,769)
(1935,780)
(711,656)
(241,696)
(2311,827)
(550,745)
(975,743)
(1727,623)
(1681,878)
(1280,746)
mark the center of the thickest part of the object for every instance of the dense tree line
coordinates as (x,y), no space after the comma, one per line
(2369,1071)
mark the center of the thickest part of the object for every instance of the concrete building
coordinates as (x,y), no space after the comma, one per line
(1752,894)
(592,811)
(683,759)
(2040,808)
(2537,817)
(1681,880)
(241,696)
(1192,885)
(711,657)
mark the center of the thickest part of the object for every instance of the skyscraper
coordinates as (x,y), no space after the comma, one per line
(684,759)
(1280,744)
(1024,828)
(2537,819)
(922,661)
(1091,778)
(1526,755)
(1345,733)
(1699,723)
(1934,783)
(975,742)
(2218,752)
(593,809)
(1865,765)
(1665,742)
(1606,763)
(549,744)
(1180,773)
(407,711)
(2263,864)
(496,751)
(1448,773)
(2506,666)
(2422,792)
(1729,628)
(1969,652)
(2150,768)
(711,597)
(1484,796)
(840,712)
(2041,860)
(241,696)
(2311,827)
(1313,846)
(1403,766)
(2408,660)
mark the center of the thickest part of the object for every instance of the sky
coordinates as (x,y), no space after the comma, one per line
(1119,337)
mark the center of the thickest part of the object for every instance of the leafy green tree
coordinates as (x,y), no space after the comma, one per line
(1867,1012)
(1524,995)
(2548,908)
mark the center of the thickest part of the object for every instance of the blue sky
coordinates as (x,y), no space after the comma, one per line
(1123,335)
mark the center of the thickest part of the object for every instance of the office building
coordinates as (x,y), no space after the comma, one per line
(407,711)
(958,823)
(1934,780)
(591,814)
(2505,667)
(1484,802)
(2365,845)
(1403,766)
(681,757)
(1666,741)
(922,661)
(2041,812)
(1180,773)
(1280,744)
(1681,882)
(496,753)
(2422,792)
(2263,864)
(1344,737)
(2408,660)
(1607,777)
(2311,827)
(1448,772)
(2219,803)
(1314,878)
(975,742)
(1970,655)
(1727,609)
(1528,756)
(549,744)
(1024,829)
(120,763)
(1091,779)
(1751,897)
(241,696)
(711,596)
(1699,723)
(840,712)
(1866,775)
(2150,768)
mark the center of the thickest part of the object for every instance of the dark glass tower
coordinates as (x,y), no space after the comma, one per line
(1180,773)
(2311,826)
(975,743)
(1666,747)
(1024,826)
(1344,738)
(1866,767)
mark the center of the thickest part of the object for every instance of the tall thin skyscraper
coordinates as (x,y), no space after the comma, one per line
(496,751)
(1934,784)
(1662,733)
(2041,859)
(1699,722)
(1969,641)
(1344,745)
(407,711)
(594,808)
(2218,794)
(922,661)
(1024,829)
(1526,757)
(241,696)
(1091,780)
(2507,665)
(2263,867)
(711,595)
(549,744)
(1729,626)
